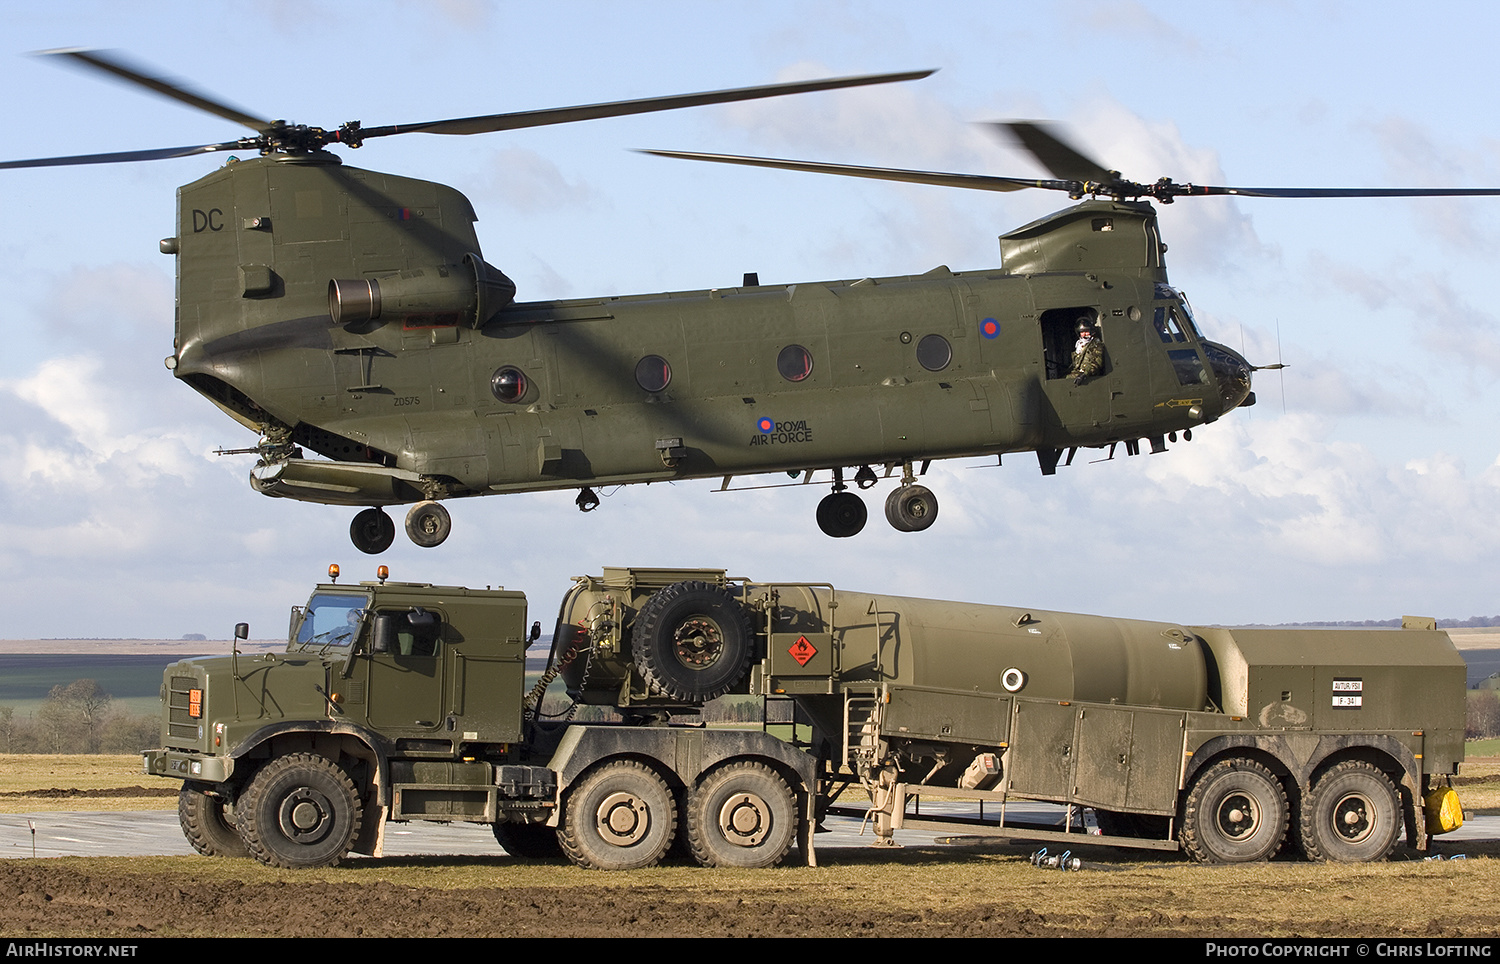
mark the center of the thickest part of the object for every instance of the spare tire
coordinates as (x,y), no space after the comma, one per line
(691,642)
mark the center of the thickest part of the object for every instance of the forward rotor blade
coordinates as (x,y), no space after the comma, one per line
(114,64)
(565,115)
(979,182)
(117,157)
(1055,154)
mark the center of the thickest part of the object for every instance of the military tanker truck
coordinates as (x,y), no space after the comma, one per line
(406,701)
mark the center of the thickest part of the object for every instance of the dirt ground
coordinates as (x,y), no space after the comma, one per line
(992,891)
(919,892)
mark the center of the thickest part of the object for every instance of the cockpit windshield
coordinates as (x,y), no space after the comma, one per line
(1187,313)
(329,621)
(1174,319)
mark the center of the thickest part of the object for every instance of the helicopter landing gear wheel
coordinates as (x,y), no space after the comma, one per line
(372,531)
(911,508)
(428,524)
(842,515)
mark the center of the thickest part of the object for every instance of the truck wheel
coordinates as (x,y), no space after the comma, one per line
(1353,814)
(620,817)
(1235,812)
(691,642)
(300,810)
(741,815)
(529,841)
(1142,826)
(205,826)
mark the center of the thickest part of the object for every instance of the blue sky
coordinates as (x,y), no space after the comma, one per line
(1374,492)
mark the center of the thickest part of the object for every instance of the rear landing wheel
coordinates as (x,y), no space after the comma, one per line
(842,514)
(428,524)
(372,531)
(911,508)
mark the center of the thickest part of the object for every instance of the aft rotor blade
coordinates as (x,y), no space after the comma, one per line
(117,157)
(566,115)
(980,182)
(113,63)
(1189,190)
(1056,155)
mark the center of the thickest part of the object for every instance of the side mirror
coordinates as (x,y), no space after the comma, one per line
(384,640)
(241,630)
(536,633)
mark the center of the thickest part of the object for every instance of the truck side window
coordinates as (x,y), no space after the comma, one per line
(417,631)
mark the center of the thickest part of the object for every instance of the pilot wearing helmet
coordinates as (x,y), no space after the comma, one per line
(1088,354)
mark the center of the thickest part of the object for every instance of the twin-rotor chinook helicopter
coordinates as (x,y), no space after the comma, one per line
(350,313)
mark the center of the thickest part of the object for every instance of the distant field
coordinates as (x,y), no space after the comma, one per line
(133,681)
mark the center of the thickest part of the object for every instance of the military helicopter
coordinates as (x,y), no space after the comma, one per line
(350,313)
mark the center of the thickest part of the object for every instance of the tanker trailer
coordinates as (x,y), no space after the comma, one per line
(1233,745)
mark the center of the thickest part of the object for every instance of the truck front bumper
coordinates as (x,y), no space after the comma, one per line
(182,765)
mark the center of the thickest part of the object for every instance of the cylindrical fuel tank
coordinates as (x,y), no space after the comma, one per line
(864,637)
(996,649)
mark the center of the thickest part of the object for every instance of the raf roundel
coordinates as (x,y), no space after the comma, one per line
(989,328)
(766,425)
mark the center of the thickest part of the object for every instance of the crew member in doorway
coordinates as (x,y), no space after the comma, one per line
(1088,354)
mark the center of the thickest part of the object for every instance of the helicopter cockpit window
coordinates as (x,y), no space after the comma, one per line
(508,384)
(331,620)
(1188,366)
(1168,325)
(1187,315)
(934,353)
(794,363)
(653,373)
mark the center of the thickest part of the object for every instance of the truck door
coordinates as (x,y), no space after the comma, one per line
(405,672)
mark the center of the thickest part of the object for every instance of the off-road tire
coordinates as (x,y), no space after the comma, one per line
(1352,815)
(1141,826)
(528,841)
(1236,811)
(741,815)
(619,817)
(692,642)
(301,810)
(205,825)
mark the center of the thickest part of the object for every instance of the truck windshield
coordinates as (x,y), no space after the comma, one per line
(331,620)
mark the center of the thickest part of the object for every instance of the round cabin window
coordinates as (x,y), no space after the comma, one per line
(508,384)
(653,373)
(934,353)
(794,363)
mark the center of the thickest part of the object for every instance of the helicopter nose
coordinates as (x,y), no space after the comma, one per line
(1232,372)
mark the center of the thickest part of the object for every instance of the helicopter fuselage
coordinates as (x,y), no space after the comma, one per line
(349,313)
